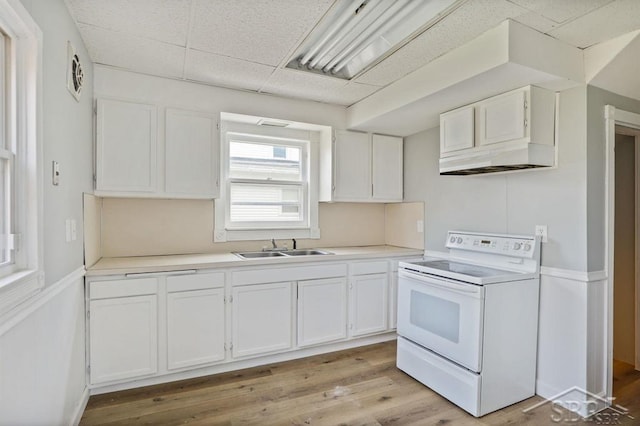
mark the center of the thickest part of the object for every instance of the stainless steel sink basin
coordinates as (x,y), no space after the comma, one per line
(259,254)
(284,253)
(310,252)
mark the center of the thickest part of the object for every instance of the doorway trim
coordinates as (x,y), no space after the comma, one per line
(613,117)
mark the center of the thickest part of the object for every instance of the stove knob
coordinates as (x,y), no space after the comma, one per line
(516,246)
(459,240)
(452,240)
(527,247)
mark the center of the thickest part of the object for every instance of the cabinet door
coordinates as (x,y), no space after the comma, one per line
(503,118)
(352,166)
(386,172)
(195,327)
(322,311)
(457,130)
(393,300)
(126,147)
(369,303)
(191,160)
(123,338)
(262,319)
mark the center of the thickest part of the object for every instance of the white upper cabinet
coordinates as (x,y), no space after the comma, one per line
(503,118)
(457,129)
(360,167)
(191,160)
(146,150)
(521,116)
(387,168)
(352,157)
(126,147)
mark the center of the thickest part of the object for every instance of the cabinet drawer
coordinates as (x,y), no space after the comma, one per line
(122,288)
(362,268)
(195,282)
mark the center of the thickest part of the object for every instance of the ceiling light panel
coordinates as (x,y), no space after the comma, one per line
(355,35)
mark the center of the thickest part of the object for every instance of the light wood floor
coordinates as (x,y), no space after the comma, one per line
(355,387)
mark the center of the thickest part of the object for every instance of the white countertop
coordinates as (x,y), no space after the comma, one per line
(145,264)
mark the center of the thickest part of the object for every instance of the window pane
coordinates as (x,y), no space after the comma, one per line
(5,256)
(265,203)
(264,161)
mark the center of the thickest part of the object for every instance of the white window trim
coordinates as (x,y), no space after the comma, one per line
(28,278)
(221,233)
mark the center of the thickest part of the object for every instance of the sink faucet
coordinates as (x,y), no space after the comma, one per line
(295,245)
(273,243)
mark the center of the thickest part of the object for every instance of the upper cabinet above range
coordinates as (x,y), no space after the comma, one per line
(361,167)
(511,131)
(147,150)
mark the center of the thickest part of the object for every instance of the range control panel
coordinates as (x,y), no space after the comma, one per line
(507,245)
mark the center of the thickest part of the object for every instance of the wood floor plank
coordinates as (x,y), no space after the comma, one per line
(360,386)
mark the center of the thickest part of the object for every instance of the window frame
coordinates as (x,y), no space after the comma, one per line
(25,276)
(309,141)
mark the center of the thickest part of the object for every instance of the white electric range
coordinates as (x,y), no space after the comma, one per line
(467,324)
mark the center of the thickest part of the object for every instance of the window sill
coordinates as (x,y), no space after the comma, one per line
(223,235)
(18,287)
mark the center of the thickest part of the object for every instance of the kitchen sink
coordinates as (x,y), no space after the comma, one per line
(310,252)
(284,253)
(259,254)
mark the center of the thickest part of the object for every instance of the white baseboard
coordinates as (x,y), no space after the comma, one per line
(79,410)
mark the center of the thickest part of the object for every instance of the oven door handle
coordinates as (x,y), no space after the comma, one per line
(442,283)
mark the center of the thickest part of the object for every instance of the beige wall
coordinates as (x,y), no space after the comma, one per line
(92,212)
(401,225)
(145,227)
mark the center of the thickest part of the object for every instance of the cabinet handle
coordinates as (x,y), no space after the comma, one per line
(160,274)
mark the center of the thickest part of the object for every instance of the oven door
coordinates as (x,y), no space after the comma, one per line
(442,315)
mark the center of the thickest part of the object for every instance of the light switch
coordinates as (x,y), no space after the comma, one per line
(67,227)
(420,226)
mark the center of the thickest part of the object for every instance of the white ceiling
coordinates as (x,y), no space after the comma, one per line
(245,44)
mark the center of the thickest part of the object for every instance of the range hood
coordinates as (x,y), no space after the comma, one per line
(513,157)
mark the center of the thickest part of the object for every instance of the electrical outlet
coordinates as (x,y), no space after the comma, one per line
(541,231)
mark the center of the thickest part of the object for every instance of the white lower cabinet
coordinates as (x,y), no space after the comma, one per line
(322,311)
(195,328)
(123,323)
(262,319)
(163,323)
(195,320)
(369,303)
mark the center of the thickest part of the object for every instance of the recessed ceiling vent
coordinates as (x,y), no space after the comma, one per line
(355,36)
(272,123)
(75,75)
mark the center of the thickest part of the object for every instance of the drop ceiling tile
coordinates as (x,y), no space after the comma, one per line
(133,53)
(465,23)
(264,31)
(162,20)
(535,21)
(614,19)
(299,84)
(224,71)
(561,11)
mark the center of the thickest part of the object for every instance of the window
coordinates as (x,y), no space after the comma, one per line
(6,160)
(20,192)
(269,187)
